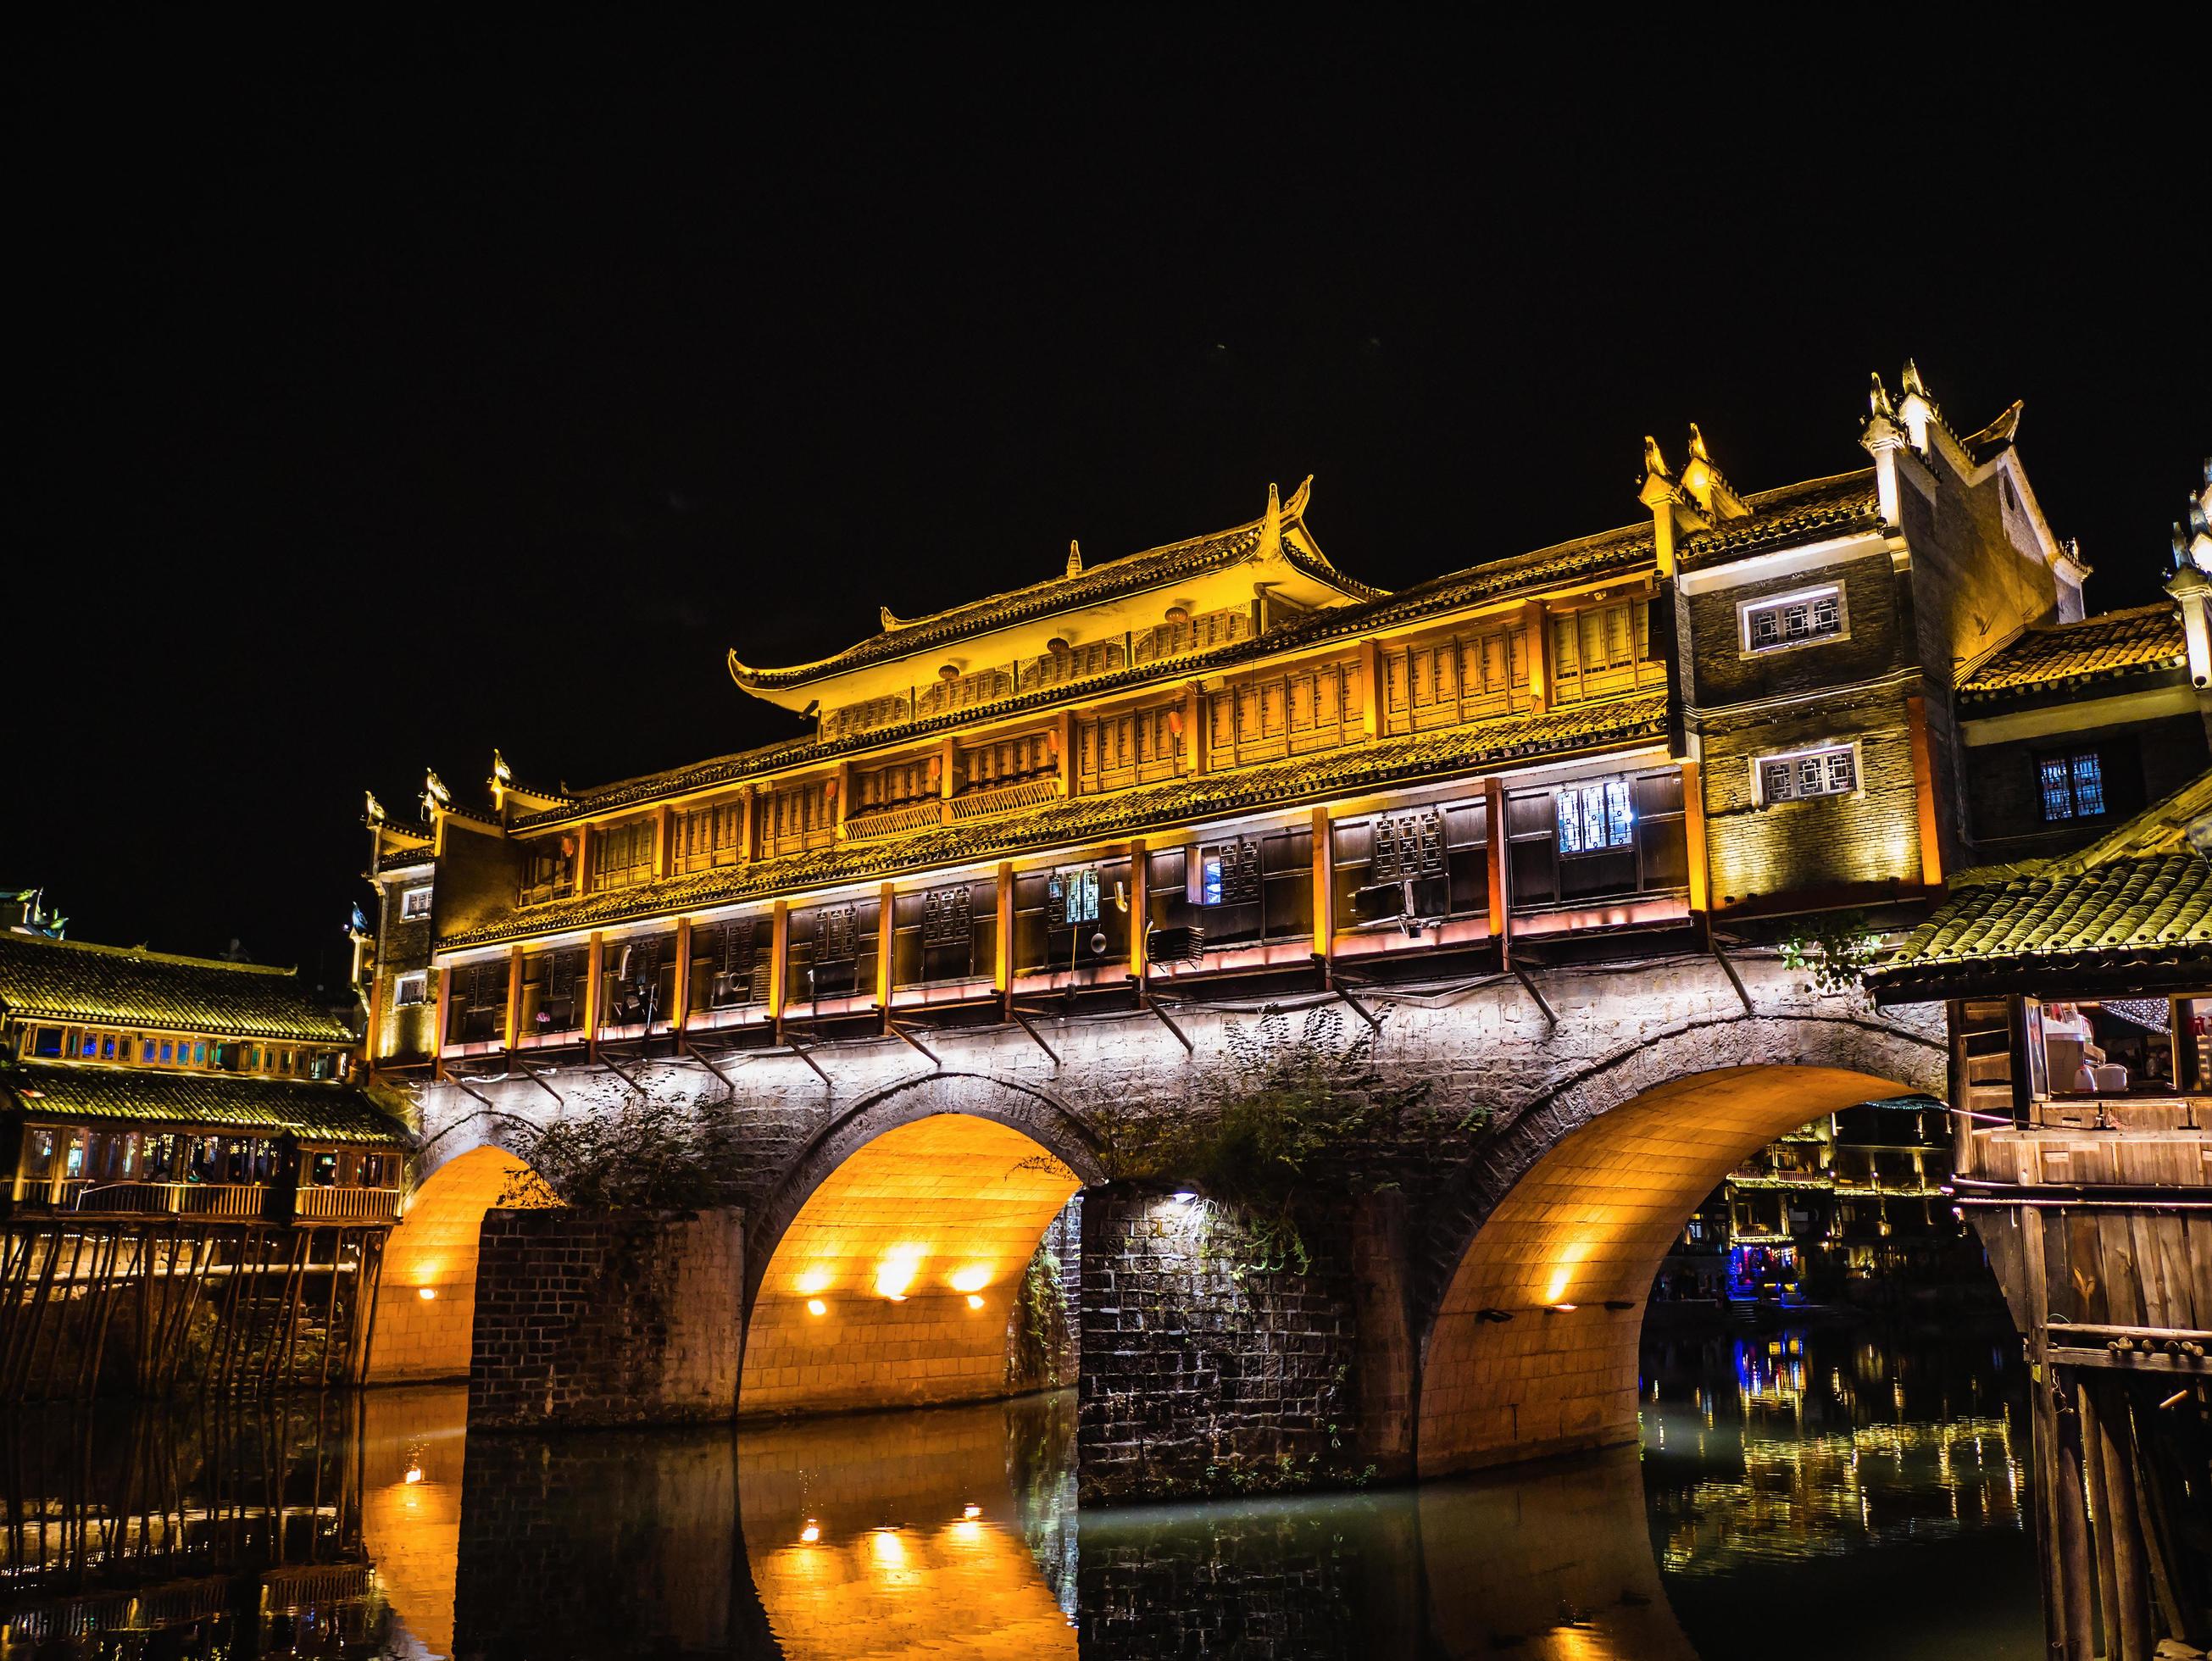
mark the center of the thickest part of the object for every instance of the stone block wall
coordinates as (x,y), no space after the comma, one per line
(587,1319)
(1204,1371)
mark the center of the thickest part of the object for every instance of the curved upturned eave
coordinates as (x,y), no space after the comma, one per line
(917,634)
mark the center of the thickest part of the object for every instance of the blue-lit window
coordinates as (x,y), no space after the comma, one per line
(199,1054)
(167,1049)
(1597,817)
(1072,897)
(91,1045)
(107,1050)
(2073,787)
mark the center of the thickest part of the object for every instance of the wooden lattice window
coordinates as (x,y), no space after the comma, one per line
(1227,874)
(710,836)
(622,854)
(1407,845)
(947,918)
(1008,761)
(729,969)
(838,934)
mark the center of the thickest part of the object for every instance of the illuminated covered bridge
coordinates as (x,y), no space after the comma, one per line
(1536,831)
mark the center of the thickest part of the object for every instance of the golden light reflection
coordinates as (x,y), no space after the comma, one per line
(814,1281)
(973,1278)
(975,1300)
(896,1273)
(1555,1290)
(816,1306)
(887,1548)
(810,1533)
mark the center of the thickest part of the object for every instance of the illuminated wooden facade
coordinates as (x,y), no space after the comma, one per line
(1225,762)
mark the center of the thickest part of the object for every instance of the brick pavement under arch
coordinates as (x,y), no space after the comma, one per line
(1589,1223)
(894,1283)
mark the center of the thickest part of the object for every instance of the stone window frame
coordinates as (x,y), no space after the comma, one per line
(1744,608)
(415,903)
(400,1000)
(1759,797)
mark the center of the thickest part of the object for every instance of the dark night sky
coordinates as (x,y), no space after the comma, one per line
(391,398)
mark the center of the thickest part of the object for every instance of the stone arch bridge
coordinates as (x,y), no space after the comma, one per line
(1484,1306)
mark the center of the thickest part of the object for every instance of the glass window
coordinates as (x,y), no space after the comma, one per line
(1830,772)
(1793,619)
(2072,787)
(407,988)
(167,1049)
(1071,898)
(415,903)
(89,1046)
(107,1048)
(1596,818)
(199,1054)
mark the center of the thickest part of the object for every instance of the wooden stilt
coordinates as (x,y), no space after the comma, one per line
(2128,1633)
(2074,1565)
(2043,1424)
(2100,1533)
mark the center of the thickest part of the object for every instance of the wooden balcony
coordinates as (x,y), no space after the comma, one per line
(346,1205)
(1006,798)
(894,821)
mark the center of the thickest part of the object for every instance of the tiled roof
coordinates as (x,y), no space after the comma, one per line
(126,985)
(1806,512)
(314,1111)
(2117,643)
(1811,512)
(2137,905)
(1177,801)
(1128,574)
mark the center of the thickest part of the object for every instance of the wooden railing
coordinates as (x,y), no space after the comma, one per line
(894,821)
(346,1205)
(177,1199)
(982,804)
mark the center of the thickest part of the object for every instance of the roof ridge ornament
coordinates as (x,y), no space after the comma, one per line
(1074,558)
(1705,483)
(436,798)
(373,810)
(1296,507)
(1271,528)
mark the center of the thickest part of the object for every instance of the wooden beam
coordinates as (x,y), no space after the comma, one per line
(1002,962)
(664,842)
(1372,702)
(1324,888)
(886,949)
(1035,1036)
(595,970)
(779,975)
(1139,910)
(508,1032)
(680,1015)
(1064,744)
(583,860)
(899,1031)
(1194,729)
(438,1015)
(1923,785)
(1693,828)
(1537,622)
(1493,796)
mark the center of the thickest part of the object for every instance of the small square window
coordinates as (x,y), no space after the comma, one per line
(415,903)
(411,989)
(2071,787)
(1596,818)
(1792,619)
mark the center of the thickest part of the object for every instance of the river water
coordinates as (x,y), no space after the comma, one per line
(1808,1493)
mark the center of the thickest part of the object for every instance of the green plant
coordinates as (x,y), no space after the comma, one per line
(649,1154)
(1837,953)
(1287,1119)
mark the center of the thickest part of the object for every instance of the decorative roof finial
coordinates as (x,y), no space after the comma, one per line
(1910,381)
(1698,446)
(1271,528)
(1654,464)
(501,775)
(1296,507)
(1878,399)
(374,810)
(436,798)
(1074,558)
(883,616)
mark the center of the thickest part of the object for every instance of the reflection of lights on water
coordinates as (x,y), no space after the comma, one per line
(414,1474)
(887,1548)
(971,1512)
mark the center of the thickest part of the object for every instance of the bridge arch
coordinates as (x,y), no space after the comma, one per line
(883,1267)
(426,1299)
(1550,1242)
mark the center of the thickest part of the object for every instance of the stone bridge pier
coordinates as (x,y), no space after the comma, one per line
(1476,1301)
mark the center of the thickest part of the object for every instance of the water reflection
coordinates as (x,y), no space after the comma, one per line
(1775,1471)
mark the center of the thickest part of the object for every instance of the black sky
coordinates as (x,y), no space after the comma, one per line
(390,397)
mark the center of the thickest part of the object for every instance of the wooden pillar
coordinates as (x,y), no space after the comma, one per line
(664,842)
(1372,688)
(1493,796)
(513,996)
(1139,909)
(1534,620)
(595,973)
(778,973)
(1064,741)
(583,859)
(438,1015)
(1923,784)
(680,996)
(1693,829)
(844,797)
(746,819)
(1193,727)
(886,948)
(2128,1633)
(1002,972)
(1324,888)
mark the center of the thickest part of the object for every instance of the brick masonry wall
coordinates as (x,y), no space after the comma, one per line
(1874,643)
(1869,835)
(1202,1373)
(588,1318)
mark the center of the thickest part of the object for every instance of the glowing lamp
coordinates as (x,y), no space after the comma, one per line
(414,1473)
(428,1294)
(975,1300)
(816,1306)
(810,1533)
(971,1512)
(894,1275)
